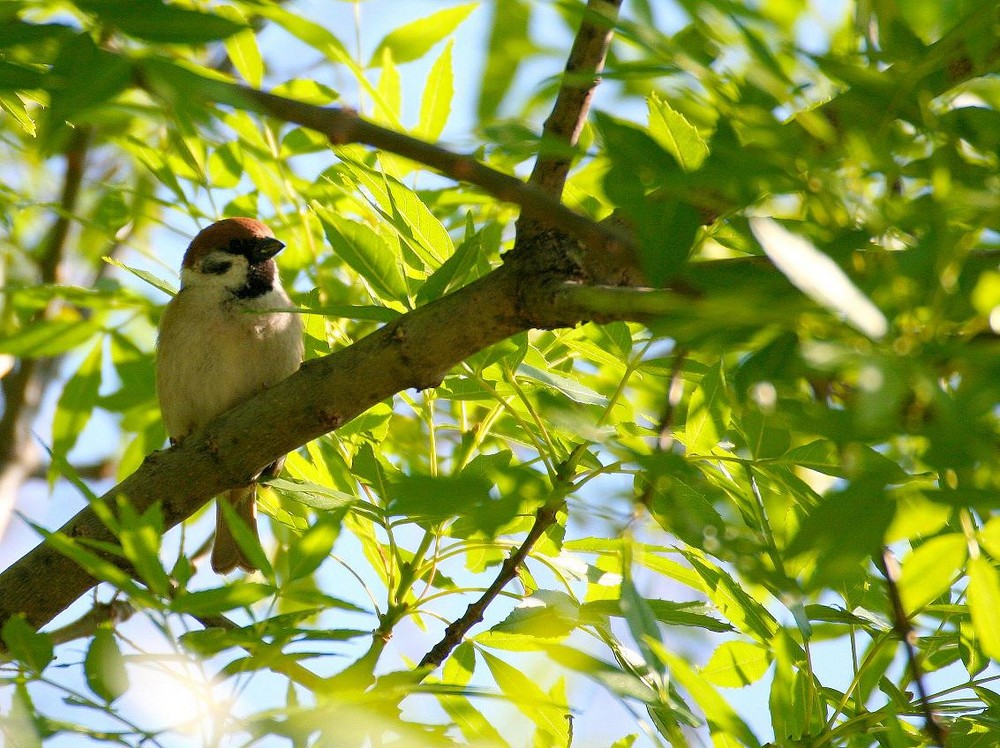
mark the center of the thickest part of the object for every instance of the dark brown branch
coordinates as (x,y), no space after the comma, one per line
(344,126)
(563,125)
(545,517)
(887,564)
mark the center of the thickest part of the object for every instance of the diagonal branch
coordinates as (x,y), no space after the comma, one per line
(415,351)
(545,517)
(343,126)
(886,563)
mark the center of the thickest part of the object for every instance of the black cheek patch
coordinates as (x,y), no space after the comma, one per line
(215,267)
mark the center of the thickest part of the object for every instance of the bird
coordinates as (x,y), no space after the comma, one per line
(221,341)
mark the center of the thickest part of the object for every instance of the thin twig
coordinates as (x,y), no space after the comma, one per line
(343,126)
(889,567)
(545,517)
(547,179)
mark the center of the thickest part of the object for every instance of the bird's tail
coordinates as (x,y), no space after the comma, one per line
(226,554)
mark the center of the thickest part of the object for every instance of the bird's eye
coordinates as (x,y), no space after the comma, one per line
(215,266)
(239,246)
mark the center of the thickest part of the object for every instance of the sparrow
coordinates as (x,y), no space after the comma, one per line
(220,343)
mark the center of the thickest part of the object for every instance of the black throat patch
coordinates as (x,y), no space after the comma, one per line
(260,280)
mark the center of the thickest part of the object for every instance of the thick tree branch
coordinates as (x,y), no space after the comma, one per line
(415,351)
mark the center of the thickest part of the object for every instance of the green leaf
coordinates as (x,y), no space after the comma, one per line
(677,136)
(733,602)
(95,565)
(683,498)
(611,677)
(15,77)
(642,624)
(30,647)
(140,536)
(930,569)
(639,165)
(390,87)
(23,720)
(474,726)
(77,401)
(851,461)
(14,106)
(546,614)
(313,547)
(243,50)
(736,664)
(984,605)
(666,611)
(104,666)
(414,40)
(467,263)
(531,700)
(709,412)
(435,105)
(313,34)
(833,532)
(431,499)
(509,45)
(221,599)
(49,337)
(571,388)
(724,723)
(84,76)
(418,228)
(151,279)
(155,21)
(367,253)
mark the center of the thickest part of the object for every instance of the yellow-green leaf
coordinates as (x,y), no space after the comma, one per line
(243,50)
(531,700)
(708,412)
(930,569)
(678,137)
(736,664)
(77,401)
(413,40)
(984,604)
(104,666)
(724,723)
(435,106)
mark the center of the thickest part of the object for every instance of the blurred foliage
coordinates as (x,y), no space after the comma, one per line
(733,467)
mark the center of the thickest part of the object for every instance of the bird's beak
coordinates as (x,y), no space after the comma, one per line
(264,250)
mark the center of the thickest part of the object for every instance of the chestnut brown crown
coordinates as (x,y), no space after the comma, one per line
(221,235)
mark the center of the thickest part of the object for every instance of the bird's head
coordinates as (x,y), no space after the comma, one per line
(234,254)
